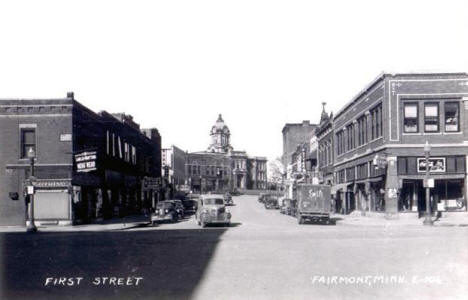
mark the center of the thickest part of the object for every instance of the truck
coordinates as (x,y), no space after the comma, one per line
(313,203)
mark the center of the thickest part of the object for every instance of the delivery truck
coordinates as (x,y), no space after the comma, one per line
(313,203)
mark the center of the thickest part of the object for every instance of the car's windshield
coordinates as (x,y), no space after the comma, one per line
(213,201)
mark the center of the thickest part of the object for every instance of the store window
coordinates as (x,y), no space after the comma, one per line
(410,117)
(452,116)
(28,141)
(431,117)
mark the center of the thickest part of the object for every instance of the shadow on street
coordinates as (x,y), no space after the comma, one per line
(171,263)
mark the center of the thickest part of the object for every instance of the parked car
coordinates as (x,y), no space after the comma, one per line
(164,211)
(211,209)
(289,207)
(236,192)
(190,205)
(293,207)
(271,202)
(228,199)
(261,197)
(285,206)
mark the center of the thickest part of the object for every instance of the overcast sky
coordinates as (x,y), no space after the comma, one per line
(176,65)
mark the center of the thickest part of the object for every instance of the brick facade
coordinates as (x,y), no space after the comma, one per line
(62,128)
(390,121)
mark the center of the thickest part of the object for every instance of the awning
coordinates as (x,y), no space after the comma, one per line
(374,179)
(342,186)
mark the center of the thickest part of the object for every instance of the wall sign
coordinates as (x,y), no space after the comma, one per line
(436,164)
(66,137)
(86,161)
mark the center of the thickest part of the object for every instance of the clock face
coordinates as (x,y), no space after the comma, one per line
(213,130)
(226,131)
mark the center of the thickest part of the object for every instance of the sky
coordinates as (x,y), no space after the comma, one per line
(176,65)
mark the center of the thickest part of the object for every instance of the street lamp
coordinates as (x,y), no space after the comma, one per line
(31,227)
(428,219)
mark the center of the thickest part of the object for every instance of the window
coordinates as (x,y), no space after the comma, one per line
(431,117)
(452,116)
(126,152)
(350,130)
(410,121)
(28,141)
(362,129)
(134,155)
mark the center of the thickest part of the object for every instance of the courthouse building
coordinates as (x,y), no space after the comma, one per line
(87,165)
(221,168)
(380,134)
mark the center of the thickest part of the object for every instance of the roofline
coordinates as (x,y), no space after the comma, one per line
(382,76)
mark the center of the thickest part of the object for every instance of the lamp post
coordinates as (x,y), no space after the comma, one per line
(31,227)
(428,219)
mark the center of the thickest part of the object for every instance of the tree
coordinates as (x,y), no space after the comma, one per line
(276,171)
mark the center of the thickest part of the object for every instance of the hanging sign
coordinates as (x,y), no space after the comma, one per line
(86,161)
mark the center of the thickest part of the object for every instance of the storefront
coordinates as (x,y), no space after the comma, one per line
(448,192)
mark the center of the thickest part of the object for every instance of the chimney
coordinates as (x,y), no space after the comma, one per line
(71,95)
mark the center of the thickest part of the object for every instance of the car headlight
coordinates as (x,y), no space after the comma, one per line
(166,211)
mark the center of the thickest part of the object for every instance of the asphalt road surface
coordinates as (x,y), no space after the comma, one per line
(262,255)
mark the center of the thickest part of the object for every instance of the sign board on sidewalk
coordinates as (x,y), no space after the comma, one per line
(86,161)
(30,190)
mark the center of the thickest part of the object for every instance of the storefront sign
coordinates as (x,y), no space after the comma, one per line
(51,184)
(436,164)
(86,161)
(152,183)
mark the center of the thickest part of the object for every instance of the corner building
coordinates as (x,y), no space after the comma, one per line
(127,162)
(379,144)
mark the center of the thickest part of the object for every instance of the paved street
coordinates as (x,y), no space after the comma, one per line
(263,255)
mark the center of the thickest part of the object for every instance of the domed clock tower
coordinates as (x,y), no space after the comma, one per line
(220,136)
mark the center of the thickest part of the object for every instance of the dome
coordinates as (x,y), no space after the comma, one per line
(220,125)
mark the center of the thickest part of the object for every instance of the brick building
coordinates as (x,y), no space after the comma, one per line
(87,165)
(325,154)
(173,165)
(220,168)
(379,139)
(295,134)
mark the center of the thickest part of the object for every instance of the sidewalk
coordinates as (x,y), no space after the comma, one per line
(104,225)
(356,219)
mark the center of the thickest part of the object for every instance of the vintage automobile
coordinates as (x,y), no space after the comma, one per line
(271,202)
(228,199)
(190,205)
(261,197)
(313,203)
(285,206)
(288,207)
(165,211)
(211,209)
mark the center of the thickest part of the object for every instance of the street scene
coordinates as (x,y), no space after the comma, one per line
(236,150)
(262,254)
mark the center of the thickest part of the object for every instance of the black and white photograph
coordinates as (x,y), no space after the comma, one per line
(216,149)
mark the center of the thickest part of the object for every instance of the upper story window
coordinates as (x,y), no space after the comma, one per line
(28,141)
(126,152)
(410,121)
(452,116)
(350,131)
(376,122)
(362,130)
(431,117)
(134,155)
